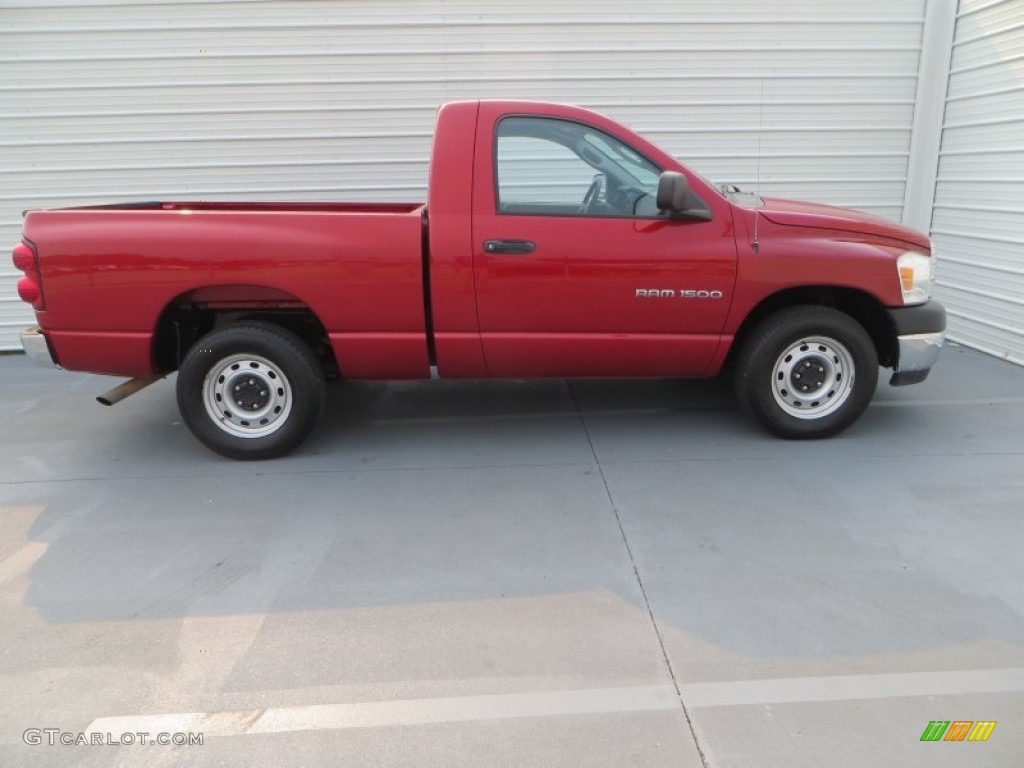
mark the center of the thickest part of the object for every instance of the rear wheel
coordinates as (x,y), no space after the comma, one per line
(250,391)
(807,372)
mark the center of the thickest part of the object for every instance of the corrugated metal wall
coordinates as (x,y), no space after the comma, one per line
(110,101)
(978,216)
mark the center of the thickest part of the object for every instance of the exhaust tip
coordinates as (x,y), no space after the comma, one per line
(121,391)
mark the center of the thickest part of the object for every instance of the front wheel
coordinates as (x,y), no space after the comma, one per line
(807,372)
(250,391)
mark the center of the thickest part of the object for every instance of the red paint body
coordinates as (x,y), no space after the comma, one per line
(570,308)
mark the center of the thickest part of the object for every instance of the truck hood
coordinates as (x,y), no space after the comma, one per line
(795,213)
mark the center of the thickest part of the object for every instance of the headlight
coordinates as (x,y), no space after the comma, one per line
(917,273)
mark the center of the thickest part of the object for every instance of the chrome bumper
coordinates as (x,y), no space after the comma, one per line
(920,334)
(34,344)
(918,353)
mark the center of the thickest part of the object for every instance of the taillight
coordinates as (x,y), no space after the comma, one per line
(30,287)
(24,258)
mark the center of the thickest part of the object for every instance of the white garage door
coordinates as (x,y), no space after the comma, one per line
(978,219)
(110,101)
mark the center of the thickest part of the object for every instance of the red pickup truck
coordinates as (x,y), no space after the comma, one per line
(554,243)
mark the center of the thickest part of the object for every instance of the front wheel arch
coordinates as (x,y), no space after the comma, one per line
(862,306)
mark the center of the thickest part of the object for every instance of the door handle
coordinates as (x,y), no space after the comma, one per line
(509,246)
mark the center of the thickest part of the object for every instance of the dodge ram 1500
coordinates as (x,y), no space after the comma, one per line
(554,243)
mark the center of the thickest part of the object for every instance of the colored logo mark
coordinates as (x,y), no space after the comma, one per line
(958,730)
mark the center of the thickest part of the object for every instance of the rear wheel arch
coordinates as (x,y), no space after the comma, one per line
(190,315)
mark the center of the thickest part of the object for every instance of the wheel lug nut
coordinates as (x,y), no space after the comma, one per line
(263,393)
(796,375)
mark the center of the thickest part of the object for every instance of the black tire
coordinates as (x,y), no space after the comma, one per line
(268,369)
(818,348)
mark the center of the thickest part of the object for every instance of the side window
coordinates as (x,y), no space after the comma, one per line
(553,167)
(537,172)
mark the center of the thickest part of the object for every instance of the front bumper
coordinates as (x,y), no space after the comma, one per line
(920,334)
(34,343)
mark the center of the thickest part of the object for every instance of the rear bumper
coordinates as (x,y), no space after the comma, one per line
(34,343)
(920,334)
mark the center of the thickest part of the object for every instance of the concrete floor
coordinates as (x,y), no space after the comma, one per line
(516,574)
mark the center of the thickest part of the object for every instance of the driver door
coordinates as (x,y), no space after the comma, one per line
(573,272)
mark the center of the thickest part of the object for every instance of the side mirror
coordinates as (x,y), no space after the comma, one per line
(674,196)
(673,189)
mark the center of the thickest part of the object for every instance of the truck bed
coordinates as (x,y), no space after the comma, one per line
(110,272)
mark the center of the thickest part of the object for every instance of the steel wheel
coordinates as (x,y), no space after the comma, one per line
(806,372)
(252,390)
(813,377)
(247,396)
